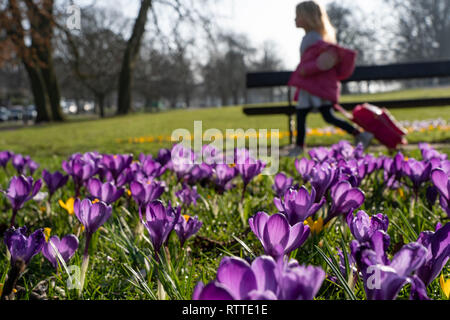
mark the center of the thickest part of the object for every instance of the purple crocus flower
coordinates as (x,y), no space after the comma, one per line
(182,160)
(438,245)
(393,171)
(428,153)
(212,156)
(264,279)
(322,178)
(281,184)
(159,221)
(304,168)
(116,163)
(223,176)
(383,281)
(199,173)
(144,193)
(188,195)
(20,163)
(21,189)
(298,205)
(276,235)
(106,192)
(80,170)
(319,154)
(54,181)
(66,248)
(21,246)
(431,195)
(299,282)
(417,171)
(345,199)
(92,215)
(363,227)
(442,182)
(163,156)
(4,158)
(248,169)
(150,167)
(186,227)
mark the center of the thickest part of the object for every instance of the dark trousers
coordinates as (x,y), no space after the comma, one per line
(328,116)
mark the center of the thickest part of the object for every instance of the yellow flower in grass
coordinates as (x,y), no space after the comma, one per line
(47,232)
(42,209)
(401,193)
(315,226)
(68,206)
(445,285)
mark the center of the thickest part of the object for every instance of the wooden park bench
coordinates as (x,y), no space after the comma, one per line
(438,69)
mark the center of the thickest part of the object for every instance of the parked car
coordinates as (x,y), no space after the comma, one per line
(4,114)
(16,113)
(29,113)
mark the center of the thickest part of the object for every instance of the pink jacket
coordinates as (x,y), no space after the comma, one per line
(324,84)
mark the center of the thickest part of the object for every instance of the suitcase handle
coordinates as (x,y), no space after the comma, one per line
(347,114)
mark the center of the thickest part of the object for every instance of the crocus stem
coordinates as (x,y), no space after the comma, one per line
(13,218)
(85,263)
(243,192)
(411,210)
(13,275)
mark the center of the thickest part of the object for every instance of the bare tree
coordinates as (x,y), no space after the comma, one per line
(95,52)
(224,73)
(353,31)
(27,27)
(181,12)
(422,29)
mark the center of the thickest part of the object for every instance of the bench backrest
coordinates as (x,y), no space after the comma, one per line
(399,71)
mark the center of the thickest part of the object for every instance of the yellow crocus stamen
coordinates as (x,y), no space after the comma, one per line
(68,206)
(47,232)
(129,192)
(402,194)
(95,201)
(315,226)
(445,286)
(186,217)
(232,165)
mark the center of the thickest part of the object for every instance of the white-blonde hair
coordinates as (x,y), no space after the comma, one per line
(315,17)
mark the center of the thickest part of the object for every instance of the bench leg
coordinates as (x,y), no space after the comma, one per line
(291,126)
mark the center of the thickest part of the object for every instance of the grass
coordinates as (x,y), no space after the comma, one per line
(51,140)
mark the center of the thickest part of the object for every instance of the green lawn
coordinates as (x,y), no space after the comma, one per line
(87,135)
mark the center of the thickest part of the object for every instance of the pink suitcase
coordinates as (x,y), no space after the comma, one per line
(379,122)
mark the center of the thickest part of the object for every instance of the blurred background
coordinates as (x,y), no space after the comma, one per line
(64,60)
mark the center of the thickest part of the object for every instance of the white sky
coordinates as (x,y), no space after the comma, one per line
(260,20)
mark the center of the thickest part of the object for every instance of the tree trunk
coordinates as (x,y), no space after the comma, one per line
(53,91)
(39,90)
(101,104)
(129,59)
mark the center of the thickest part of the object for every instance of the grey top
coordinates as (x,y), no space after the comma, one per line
(308,40)
(305,99)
